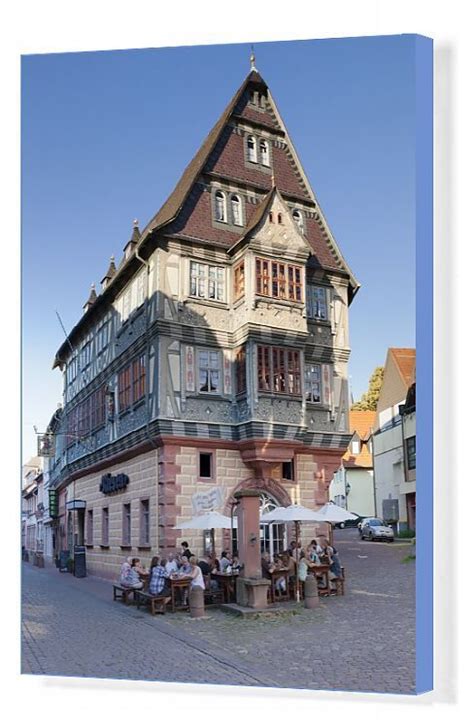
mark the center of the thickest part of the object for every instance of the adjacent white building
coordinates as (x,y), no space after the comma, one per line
(394,442)
(352,486)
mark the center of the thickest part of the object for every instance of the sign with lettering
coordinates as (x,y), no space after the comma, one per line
(210,500)
(53,504)
(113,483)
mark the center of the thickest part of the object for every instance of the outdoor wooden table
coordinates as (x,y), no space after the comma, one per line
(178,584)
(322,570)
(274,577)
(227,582)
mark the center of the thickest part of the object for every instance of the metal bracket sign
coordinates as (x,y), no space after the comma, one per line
(210,500)
(53,504)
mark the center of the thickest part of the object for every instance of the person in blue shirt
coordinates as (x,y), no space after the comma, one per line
(158,585)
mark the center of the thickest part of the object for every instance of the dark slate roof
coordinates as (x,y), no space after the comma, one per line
(176,200)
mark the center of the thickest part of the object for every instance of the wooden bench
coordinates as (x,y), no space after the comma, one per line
(153,600)
(121,592)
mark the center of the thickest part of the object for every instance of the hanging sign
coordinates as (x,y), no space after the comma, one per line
(210,500)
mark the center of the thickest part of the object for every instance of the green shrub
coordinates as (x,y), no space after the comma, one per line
(407,533)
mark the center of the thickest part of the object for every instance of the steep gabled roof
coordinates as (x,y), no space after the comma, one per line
(405,359)
(176,200)
(362,422)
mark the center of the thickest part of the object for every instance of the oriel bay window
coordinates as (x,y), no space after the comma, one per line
(278,280)
(209,371)
(279,370)
(206,281)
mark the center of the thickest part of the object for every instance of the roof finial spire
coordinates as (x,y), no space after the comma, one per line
(252,60)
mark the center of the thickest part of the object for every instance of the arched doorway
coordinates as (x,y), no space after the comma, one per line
(273,536)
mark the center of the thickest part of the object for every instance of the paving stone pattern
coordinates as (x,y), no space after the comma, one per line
(364,641)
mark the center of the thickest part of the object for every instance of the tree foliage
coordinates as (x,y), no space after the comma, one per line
(368,401)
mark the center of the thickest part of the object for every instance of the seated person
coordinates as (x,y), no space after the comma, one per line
(329,554)
(303,567)
(130,577)
(267,566)
(185,568)
(206,564)
(171,565)
(197,579)
(158,585)
(279,564)
(224,561)
(236,565)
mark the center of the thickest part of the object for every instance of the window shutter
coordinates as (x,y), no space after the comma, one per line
(326,384)
(190,370)
(227,372)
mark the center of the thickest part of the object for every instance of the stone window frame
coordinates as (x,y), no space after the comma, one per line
(279,363)
(213,463)
(208,265)
(258,164)
(90,527)
(294,479)
(220,389)
(308,381)
(145,523)
(309,302)
(228,223)
(126,543)
(105,526)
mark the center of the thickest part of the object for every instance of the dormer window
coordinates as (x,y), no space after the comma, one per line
(236,210)
(264,153)
(298,218)
(220,207)
(251,149)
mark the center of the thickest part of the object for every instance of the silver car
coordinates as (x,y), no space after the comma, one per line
(374,528)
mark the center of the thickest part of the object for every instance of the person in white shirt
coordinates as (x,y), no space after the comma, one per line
(171,565)
(224,561)
(197,579)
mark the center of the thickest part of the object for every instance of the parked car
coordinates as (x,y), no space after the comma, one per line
(362,522)
(374,528)
(350,524)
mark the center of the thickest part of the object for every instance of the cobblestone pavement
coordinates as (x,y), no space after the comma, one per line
(364,641)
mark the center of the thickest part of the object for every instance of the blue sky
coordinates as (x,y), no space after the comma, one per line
(106,135)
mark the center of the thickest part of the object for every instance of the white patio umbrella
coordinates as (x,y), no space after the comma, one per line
(206,522)
(330,513)
(292,514)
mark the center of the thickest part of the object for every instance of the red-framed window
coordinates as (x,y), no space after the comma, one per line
(124,389)
(278,370)
(239,280)
(139,377)
(97,408)
(278,280)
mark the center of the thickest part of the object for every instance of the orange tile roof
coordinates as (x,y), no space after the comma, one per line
(405,359)
(362,460)
(361,422)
